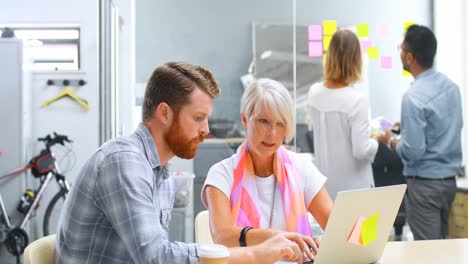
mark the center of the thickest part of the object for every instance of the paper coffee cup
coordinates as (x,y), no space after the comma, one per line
(213,254)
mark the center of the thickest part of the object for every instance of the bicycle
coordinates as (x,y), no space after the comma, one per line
(44,167)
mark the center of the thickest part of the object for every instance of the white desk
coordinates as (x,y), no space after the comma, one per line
(451,251)
(430,251)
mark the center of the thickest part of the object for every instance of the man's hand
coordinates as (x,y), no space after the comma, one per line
(305,243)
(383,138)
(276,248)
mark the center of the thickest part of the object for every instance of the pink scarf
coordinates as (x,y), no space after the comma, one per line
(244,192)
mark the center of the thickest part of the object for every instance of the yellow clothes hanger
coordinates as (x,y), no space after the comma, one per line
(68,92)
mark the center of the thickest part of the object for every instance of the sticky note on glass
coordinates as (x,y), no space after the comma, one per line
(386,62)
(326,42)
(407,25)
(369,229)
(351,28)
(365,44)
(373,53)
(329,27)
(406,73)
(315,49)
(315,32)
(382,31)
(362,30)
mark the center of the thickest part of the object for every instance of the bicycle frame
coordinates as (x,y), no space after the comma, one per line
(64,185)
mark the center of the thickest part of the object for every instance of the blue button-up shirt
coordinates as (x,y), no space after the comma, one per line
(119,208)
(431,123)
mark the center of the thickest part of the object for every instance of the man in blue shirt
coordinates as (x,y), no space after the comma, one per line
(430,143)
(119,207)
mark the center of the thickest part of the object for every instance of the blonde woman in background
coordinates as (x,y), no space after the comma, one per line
(340,119)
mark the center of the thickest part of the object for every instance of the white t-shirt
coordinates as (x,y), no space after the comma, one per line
(220,176)
(343,150)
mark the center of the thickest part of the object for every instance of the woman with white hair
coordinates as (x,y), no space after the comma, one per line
(264,189)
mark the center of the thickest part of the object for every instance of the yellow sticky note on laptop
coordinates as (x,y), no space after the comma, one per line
(364,231)
(369,229)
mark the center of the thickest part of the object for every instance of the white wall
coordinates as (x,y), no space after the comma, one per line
(451,30)
(64,116)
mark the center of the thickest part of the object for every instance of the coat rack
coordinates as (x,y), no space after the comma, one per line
(67,92)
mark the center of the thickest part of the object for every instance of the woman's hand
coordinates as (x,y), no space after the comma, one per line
(317,241)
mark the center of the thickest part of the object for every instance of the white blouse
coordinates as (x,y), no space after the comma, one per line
(343,150)
(220,176)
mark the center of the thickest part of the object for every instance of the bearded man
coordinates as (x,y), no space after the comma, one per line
(119,207)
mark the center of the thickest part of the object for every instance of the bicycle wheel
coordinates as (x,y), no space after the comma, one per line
(52,213)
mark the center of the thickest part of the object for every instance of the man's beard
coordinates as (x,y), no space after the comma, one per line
(180,145)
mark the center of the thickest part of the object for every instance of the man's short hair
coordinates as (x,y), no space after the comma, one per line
(344,61)
(422,42)
(173,82)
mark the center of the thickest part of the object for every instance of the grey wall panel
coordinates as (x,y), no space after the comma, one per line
(11,125)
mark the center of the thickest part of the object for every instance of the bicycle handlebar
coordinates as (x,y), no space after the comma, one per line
(57,139)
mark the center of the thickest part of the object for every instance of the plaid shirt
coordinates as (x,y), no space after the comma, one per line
(119,208)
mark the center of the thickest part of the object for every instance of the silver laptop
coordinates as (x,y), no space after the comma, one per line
(348,208)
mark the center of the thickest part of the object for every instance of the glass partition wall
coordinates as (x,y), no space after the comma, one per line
(282,40)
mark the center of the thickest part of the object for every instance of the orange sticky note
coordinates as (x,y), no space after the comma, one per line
(355,235)
(369,229)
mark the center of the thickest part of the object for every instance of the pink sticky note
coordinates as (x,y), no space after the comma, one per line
(365,44)
(315,49)
(1,152)
(315,32)
(355,235)
(382,31)
(386,62)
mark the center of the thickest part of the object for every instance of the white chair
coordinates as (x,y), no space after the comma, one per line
(202,228)
(40,251)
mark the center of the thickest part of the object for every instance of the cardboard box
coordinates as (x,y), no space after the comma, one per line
(458,219)
(458,226)
(460,204)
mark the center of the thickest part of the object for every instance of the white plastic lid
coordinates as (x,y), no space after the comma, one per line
(213,251)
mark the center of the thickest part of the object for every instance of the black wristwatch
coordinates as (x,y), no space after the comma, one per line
(243,233)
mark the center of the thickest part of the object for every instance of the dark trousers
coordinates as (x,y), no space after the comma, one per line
(428,204)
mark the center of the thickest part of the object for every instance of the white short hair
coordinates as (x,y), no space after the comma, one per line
(275,97)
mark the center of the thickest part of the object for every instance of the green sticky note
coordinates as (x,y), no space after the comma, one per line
(373,53)
(369,229)
(329,27)
(362,30)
